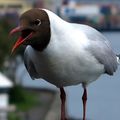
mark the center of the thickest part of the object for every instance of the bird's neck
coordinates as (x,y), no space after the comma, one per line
(57,26)
(56,22)
(42,42)
(37,47)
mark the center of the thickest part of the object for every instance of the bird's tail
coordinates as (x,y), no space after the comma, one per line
(118,59)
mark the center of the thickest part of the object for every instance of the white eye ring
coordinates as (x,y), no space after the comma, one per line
(39,22)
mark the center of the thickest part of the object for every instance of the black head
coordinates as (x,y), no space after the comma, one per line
(35,29)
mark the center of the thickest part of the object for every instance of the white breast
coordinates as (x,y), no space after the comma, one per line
(66,63)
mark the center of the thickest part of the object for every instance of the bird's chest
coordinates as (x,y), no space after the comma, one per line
(64,66)
(56,65)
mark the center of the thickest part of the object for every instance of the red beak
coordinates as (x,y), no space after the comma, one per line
(20,40)
(15,30)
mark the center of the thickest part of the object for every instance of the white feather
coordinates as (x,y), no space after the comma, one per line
(118,60)
(65,61)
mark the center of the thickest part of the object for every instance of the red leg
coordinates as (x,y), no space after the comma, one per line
(84,99)
(63,99)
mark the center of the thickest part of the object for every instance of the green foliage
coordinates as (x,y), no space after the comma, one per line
(7,23)
(5,43)
(24,100)
(13,116)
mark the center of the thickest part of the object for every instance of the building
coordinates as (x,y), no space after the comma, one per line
(94,1)
(52,5)
(14,6)
(103,15)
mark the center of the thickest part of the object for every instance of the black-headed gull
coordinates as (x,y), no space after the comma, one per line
(63,53)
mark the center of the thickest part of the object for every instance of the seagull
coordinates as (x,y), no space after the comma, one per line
(63,53)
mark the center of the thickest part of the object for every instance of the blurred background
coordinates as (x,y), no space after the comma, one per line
(24,99)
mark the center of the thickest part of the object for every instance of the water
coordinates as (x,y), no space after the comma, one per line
(103,95)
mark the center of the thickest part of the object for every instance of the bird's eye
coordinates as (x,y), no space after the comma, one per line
(38,22)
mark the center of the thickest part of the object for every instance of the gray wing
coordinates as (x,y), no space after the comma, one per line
(30,65)
(101,49)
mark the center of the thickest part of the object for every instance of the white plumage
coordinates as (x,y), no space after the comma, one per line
(67,59)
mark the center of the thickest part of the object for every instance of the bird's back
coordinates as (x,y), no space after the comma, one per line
(100,47)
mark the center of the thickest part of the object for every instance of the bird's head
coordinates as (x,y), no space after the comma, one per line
(34,27)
